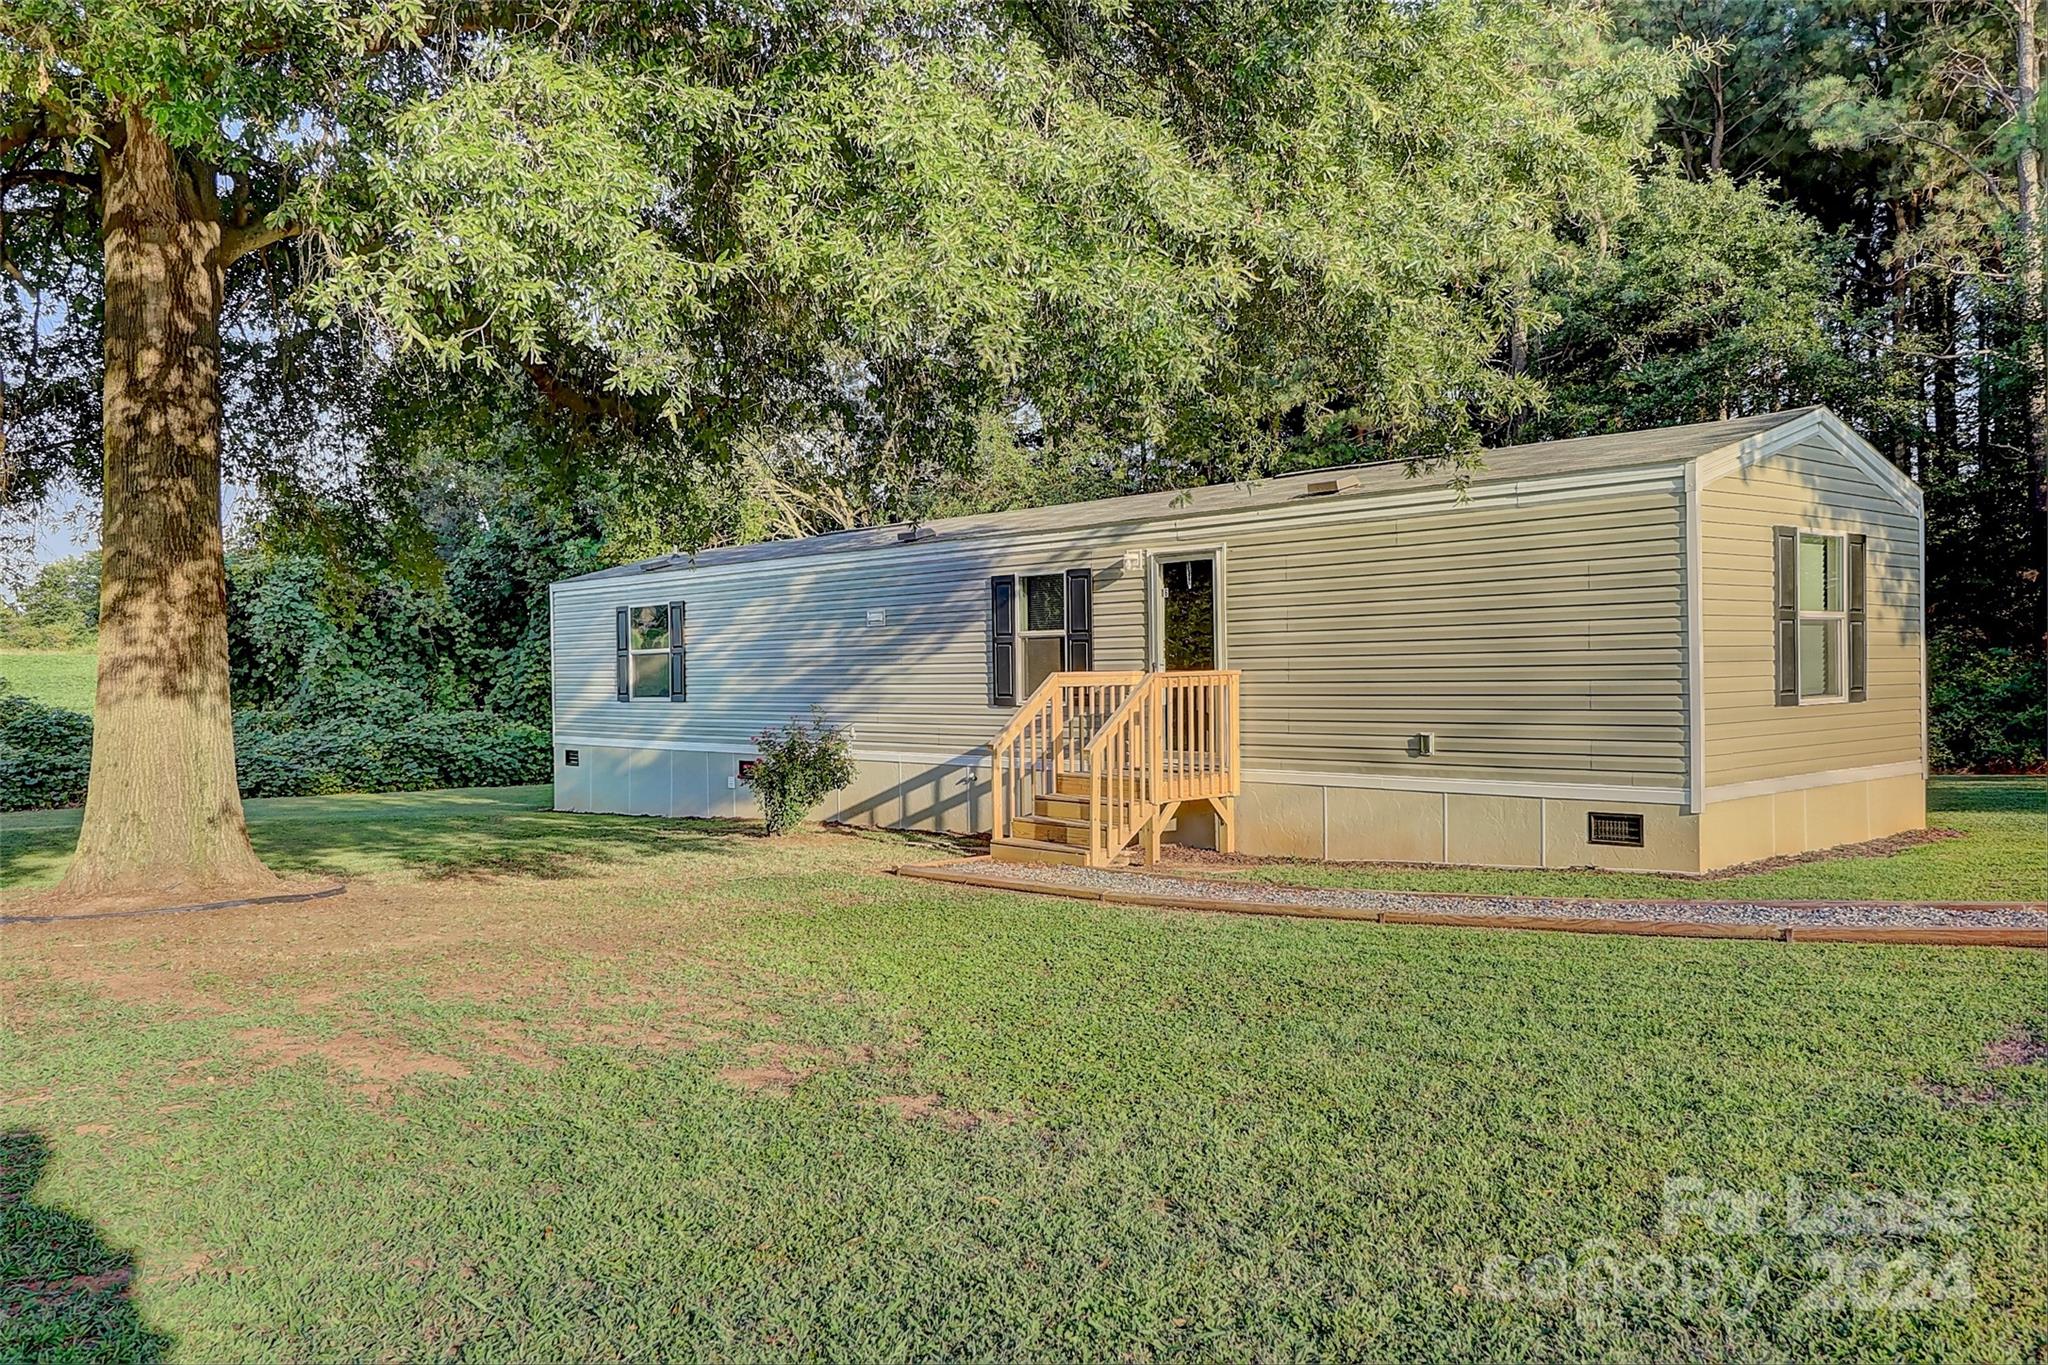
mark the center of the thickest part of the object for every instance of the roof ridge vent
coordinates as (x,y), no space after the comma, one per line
(1328,484)
(915,534)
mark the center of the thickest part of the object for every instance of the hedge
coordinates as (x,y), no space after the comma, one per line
(45,754)
(1987,709)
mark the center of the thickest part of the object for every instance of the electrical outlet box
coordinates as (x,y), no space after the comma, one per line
(1425,744)
(731,783)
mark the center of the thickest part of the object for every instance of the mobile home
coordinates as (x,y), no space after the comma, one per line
(1677,649)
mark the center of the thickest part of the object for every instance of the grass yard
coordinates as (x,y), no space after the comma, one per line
(548,1086)
(2003,857)
(55,677)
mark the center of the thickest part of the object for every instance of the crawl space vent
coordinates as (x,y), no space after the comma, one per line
(1621,831)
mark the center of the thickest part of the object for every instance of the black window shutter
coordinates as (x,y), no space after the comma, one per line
(1859,626)
(1080,620)
(1002,640)
(678,664)
(625,661)
(1785,544)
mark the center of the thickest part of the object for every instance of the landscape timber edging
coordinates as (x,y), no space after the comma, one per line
(1947,936)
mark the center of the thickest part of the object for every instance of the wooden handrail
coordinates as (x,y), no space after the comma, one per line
(1037,699)
(1174,739)
(1145,742)
(1038,734)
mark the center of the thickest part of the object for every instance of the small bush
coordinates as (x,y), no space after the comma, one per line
(45,754)
(800,765)
(1987,709)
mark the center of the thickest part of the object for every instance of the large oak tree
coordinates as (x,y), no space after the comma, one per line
(1125,230)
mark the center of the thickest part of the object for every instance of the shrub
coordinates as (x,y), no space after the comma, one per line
(45,754)
(278,755)
(800,765)
(1987,708)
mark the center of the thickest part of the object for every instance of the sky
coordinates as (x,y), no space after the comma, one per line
(68,524)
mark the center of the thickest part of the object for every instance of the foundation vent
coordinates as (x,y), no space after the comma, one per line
(1620,831)
(572,757)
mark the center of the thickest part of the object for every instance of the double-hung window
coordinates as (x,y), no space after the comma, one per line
(1823,633)
(1043,637)
(651,664)
(1039,625)
(1823,616)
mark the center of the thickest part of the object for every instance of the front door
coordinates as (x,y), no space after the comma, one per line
(1186,616)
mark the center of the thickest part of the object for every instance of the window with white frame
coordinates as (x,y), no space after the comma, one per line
(651,664)
(1042,633)
(1038,625)
(1823,616)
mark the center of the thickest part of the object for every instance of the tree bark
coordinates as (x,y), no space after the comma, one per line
(2034,309)
(163,813)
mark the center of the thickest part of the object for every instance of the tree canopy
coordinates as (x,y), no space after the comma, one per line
(919,229)
(919,235)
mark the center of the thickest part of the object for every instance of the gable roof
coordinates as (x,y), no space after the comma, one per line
(1540,459)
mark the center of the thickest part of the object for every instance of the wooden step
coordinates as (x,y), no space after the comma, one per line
(1076,784)
(1049,829)
(1060,807)
(1065,807)
(1036,851)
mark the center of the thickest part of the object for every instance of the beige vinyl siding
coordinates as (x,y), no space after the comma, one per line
(1540,640)
(1537,643)
(1749,737)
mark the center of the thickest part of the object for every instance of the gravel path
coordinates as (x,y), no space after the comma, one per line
(1115,883)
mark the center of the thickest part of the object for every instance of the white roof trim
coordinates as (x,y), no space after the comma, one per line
(1741,455)
(1695,649)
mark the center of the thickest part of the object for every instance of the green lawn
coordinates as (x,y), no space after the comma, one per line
(545,1087)
(56,677)
(2003,857)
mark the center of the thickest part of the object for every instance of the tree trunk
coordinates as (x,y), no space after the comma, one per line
(2034,310)
(1717,140)
(163,814)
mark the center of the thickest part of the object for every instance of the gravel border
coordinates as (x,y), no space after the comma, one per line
(1759,919)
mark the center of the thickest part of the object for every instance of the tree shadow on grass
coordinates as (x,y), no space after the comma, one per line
(527,844)
(2018,795)
(64,1293)
(539,844)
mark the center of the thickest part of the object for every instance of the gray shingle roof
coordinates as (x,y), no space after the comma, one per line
(1540,459)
